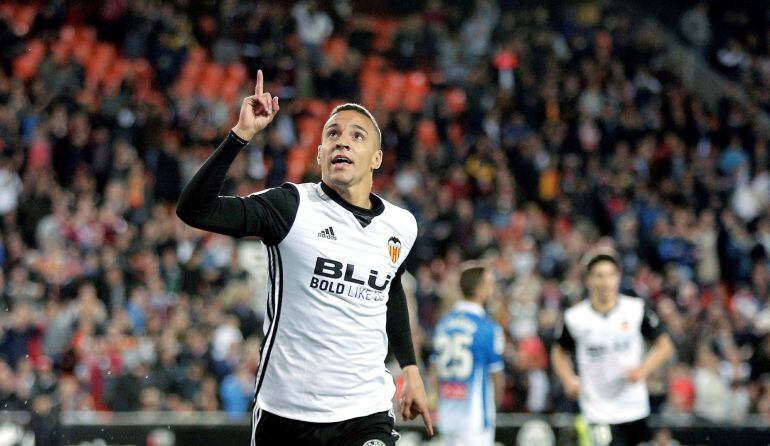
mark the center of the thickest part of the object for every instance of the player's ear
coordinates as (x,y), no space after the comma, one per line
(377,160)
(318,155)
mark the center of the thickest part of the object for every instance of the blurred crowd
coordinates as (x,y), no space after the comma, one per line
(735,38)
(565,128)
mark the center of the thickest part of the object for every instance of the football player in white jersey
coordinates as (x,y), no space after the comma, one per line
(607,335)
(336,305)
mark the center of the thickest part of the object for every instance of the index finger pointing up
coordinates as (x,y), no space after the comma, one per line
(260,83)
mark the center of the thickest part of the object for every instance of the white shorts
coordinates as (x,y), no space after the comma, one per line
(482,438)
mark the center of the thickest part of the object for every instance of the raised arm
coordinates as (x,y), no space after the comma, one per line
(269,214)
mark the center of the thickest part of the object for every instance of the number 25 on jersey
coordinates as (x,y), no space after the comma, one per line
(455,359)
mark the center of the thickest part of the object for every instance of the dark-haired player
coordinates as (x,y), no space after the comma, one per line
(607,335)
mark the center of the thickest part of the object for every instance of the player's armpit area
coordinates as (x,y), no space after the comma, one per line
(397,324)
(564,337)
(268,215)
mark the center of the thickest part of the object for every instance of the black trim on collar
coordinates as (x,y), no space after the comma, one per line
(363,215)
(609,312)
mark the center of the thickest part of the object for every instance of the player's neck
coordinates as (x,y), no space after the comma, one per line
(603,306)
(357,195)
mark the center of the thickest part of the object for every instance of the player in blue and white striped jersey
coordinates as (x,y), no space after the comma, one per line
(467,362)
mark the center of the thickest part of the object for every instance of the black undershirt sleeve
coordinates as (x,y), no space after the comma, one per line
(564,338)
(397,323)
(268,215)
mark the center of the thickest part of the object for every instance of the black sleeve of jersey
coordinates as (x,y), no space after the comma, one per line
(564,338)
(397,323)
(269,215)
(652,327)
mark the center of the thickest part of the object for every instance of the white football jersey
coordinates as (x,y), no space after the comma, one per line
(323,357)
(607,348)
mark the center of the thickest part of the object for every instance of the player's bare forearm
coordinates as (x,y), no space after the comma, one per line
(562,364)
(660,352)
(499,380)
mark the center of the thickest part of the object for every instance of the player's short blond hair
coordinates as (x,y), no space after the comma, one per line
(360,109)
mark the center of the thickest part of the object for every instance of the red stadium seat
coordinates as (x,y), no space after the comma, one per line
(26,66)
(82,49)
(237,72)
(115,74)
(336,50)
(67,34)
(184,88)
(456,100)
(415,90)
(393,90)
(309,128)
(61,51)
(427,134)
(296,163)
(230,89)
(24,18)
(317,108)
(384,30)
(211,81)
(7,10)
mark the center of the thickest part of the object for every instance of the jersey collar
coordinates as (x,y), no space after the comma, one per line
(609,312)
(469,307)
(363,215)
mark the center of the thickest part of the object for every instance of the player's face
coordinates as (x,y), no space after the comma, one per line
(603,281)
(349,150)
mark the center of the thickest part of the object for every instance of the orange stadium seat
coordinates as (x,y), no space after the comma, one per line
(308,128)
(230,89)
(82,49)
(24,18)
(7,11)
(296,163)
(67,34)
(336,49)
(316,108)
(115,74)
(427,134)
(197,55)
(211,81)
(415,90)
(237,72)
(61,51)
(26,66)
(393,90)
(384,30)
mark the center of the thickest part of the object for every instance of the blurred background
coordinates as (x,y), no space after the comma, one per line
(521,132)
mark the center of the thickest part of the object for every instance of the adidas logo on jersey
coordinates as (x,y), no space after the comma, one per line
(328,233)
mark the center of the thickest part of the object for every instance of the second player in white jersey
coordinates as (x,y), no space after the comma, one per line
(607,333)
